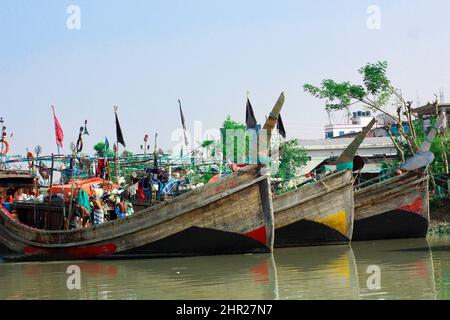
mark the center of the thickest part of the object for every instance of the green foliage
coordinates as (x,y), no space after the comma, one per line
(100,149)
(239,148)
(231,124)
(439,146)
(207,143)
(292,158)
(375,78)
(374,93)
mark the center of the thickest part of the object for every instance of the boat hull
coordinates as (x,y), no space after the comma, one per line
(233,215)
(317,214)
(393,209)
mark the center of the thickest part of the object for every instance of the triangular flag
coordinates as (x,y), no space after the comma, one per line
(280,126)
(106,144)
(119,132)
(250,118)
(183,123)
(58,130)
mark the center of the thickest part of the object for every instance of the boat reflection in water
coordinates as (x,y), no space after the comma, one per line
(214,277)
(408,270)
(405,268)
(317,273)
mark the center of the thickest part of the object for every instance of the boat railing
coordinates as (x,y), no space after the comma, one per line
(372,181)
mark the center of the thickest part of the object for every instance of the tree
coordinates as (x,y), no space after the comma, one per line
(440,147)
(100,150)
(292,158)
(377,94)
(238,148)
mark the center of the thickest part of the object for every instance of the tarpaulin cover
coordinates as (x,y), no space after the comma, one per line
(87,185)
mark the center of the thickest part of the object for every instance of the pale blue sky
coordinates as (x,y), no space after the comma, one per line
(144,55)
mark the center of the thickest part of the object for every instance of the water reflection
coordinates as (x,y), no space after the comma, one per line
(406,268)
(410,269)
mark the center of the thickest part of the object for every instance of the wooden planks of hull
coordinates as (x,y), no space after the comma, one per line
(316,214)
(232,215)
(393,209)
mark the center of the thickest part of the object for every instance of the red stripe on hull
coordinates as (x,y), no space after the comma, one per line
(93,251)
(84,252)
(259,235)
(415,206)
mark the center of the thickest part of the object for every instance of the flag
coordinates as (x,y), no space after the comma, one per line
(155,160)
(106,144)
(58,131)
(86,132)
(183,123)
(119,132)
(250,118)
(280,127)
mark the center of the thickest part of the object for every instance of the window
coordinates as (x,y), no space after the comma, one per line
(341,133)
(328,135)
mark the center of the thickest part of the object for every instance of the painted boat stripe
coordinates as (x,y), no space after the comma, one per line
(337,221)
(415,206)
(258,235)
(83,252)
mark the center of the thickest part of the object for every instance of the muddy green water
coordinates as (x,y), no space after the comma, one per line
(408,269)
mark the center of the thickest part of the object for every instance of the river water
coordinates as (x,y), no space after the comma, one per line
(394,269)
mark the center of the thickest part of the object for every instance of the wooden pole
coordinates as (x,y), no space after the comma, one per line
(117,151)
(51,179)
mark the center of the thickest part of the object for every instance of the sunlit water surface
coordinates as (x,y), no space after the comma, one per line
(408,269)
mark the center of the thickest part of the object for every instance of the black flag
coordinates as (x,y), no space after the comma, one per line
(250,118)
(119,132)
(183,123)
(280,127)
(155,155)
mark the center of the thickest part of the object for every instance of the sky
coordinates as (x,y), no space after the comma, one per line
(145,55)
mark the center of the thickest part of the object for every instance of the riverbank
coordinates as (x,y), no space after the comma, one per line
(440,217)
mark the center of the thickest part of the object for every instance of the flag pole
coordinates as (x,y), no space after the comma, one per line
(117,150)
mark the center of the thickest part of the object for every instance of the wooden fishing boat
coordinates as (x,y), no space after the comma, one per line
(316,214)
(396,207)
(322,212)
(392,209)
(232,215)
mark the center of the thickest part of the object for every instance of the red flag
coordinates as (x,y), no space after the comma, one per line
(58,130)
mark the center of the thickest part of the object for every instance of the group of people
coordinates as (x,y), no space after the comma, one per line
(97,210)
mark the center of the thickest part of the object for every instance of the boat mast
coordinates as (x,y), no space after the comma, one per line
(345,161)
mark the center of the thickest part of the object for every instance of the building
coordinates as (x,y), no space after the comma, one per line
(355,124)
(425,112)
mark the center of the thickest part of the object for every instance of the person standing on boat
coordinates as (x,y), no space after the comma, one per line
(99,215)
(121,210)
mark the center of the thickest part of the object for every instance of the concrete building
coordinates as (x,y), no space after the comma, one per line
(355,124)
(428,110)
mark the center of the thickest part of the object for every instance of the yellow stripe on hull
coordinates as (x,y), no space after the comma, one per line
(337,221)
